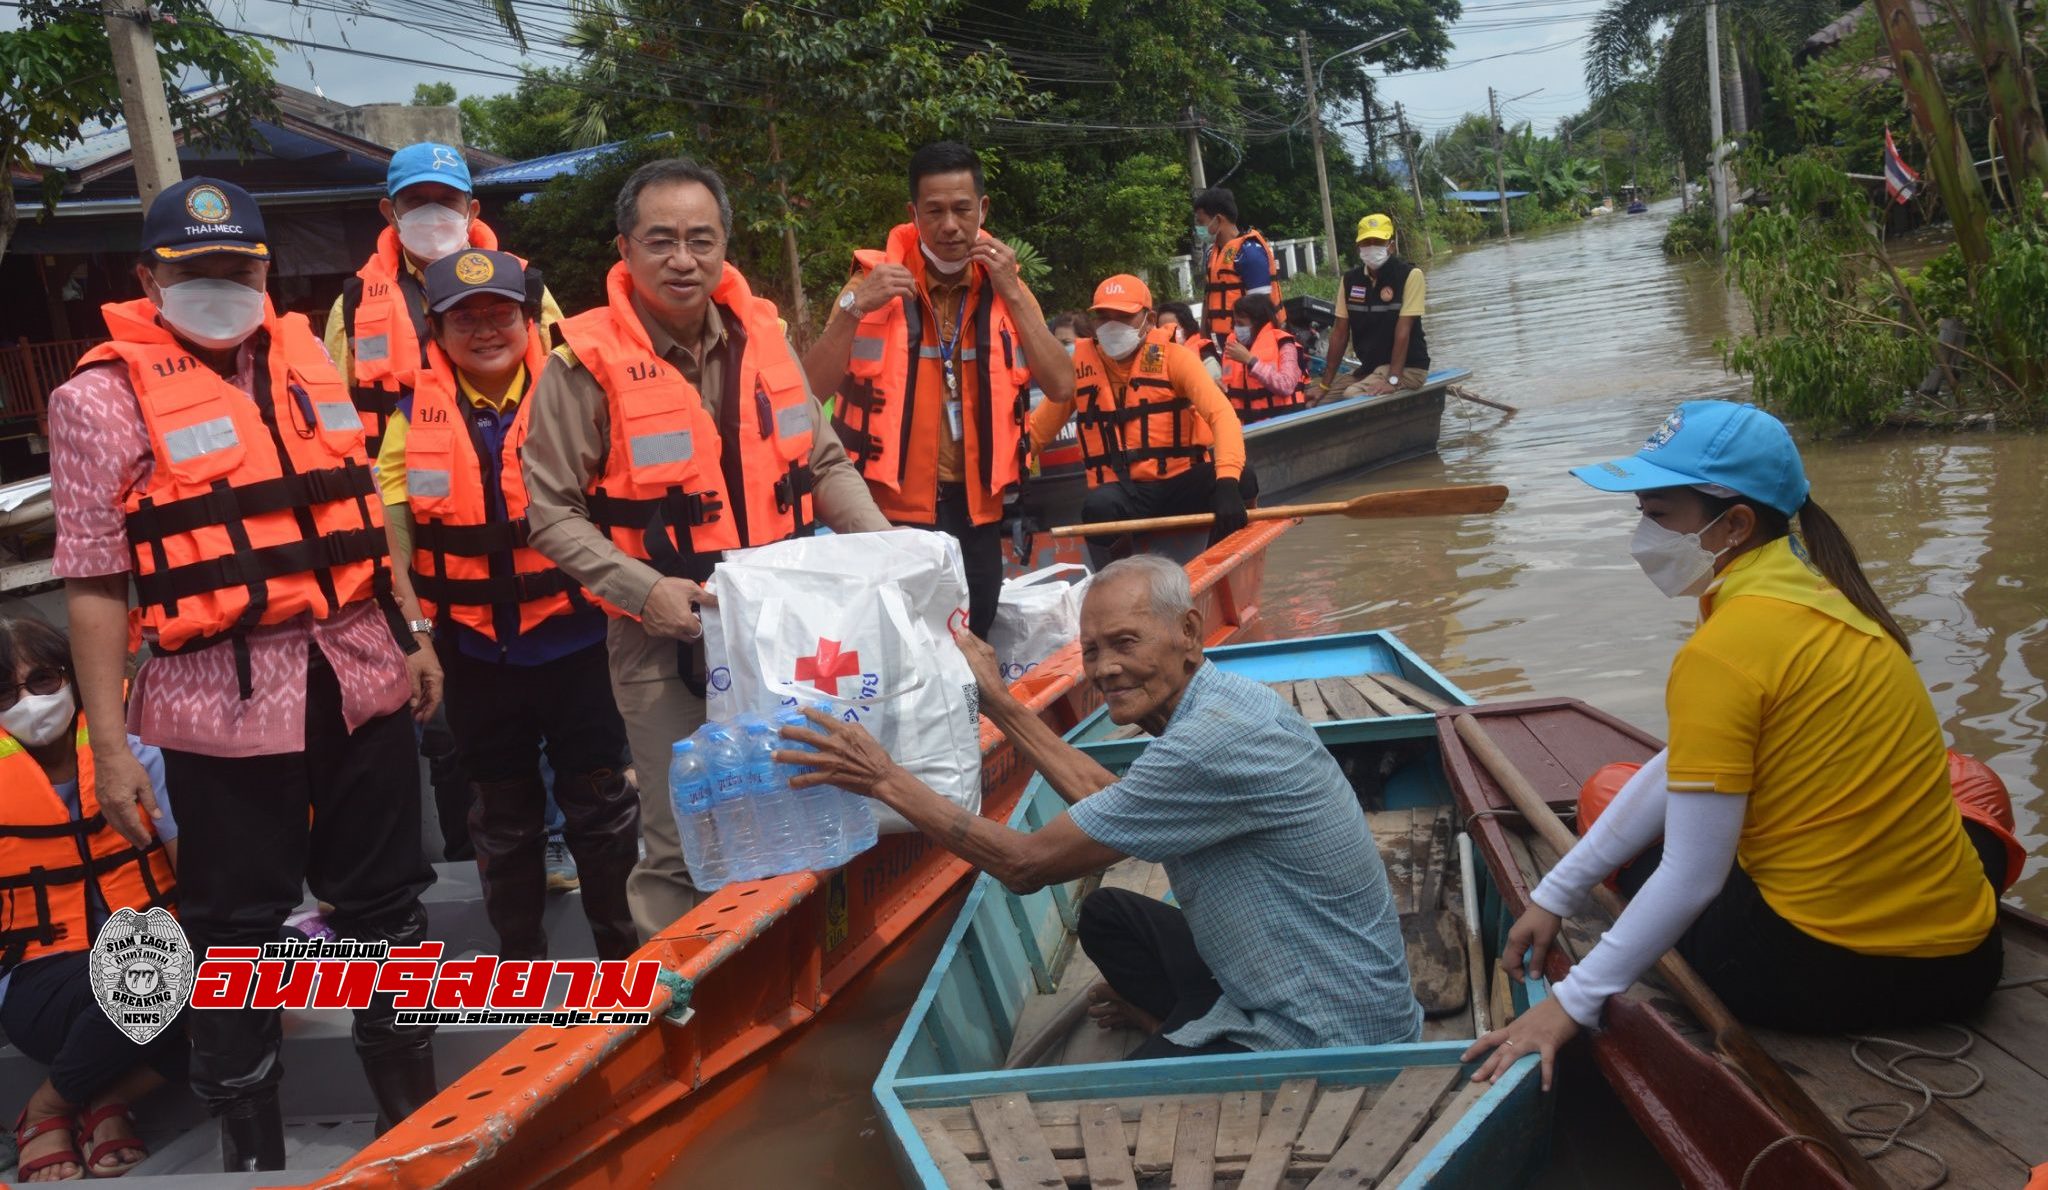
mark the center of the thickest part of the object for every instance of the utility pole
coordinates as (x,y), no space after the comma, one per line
(1717,177)
(1315,140)
(1369,116)
(154,148)
(1409,145)
(1195,168)
(1500,176)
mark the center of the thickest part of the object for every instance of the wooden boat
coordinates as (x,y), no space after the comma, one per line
(601,1106)
(1710,1127)
(997,1078)
(1290,454)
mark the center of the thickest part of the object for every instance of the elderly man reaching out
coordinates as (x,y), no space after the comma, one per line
(1286,935)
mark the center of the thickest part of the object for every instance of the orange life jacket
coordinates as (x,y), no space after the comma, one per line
(48,860)
(895,389)
(1202,345)
(1252,399)
(384,312)
(259,509)
(469,552)
(1225,286)
(678,485)
(1143,432)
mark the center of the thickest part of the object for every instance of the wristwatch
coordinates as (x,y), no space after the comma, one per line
(846,301)
(418,626)
(1393,378)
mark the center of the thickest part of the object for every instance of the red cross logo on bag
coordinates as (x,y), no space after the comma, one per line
(828,666)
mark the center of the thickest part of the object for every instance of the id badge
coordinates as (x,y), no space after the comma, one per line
(953,417)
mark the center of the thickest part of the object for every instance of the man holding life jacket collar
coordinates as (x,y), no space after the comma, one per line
(933,348)
(210,451)
(522,645)
(1158,438)
(674,424)
(1379,320)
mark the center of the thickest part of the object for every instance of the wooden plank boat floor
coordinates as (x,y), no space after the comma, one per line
(1300,1135)
(1415,848)
(1328,700)
(1991,1137)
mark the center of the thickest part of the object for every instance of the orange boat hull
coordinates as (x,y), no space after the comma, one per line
(605,1106)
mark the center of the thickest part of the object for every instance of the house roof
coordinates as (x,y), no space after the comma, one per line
(1481,195)
(1838,30)
(531,173)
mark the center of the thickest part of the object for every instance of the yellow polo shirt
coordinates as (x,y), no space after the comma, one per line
(1789,694)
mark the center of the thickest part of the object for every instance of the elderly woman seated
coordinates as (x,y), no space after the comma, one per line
(1286,935)
(52,906)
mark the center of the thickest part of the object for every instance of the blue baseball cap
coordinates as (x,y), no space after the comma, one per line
(426,162)
(1716,444)
(199,216)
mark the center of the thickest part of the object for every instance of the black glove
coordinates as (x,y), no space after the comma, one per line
(1228,503)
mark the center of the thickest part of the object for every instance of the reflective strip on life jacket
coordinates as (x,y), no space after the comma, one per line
(665,494)
(1147,432)
(51,860)
(260,507)
(384,315)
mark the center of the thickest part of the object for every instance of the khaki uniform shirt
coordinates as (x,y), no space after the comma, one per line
(568,435)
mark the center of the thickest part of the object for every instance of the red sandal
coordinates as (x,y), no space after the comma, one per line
(25,1132)
(89,1125)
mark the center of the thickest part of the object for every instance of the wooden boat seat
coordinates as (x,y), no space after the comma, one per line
(1301,1134)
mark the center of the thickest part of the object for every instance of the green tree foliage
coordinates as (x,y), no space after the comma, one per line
(433,94)
(60,78)
(568,230)
(1119,213)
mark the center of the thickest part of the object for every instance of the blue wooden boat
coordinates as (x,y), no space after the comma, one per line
(998,1078)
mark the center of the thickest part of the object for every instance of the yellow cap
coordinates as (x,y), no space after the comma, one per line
(1375,227)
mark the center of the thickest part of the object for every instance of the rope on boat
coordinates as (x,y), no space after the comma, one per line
(679,990)
(1891,1071)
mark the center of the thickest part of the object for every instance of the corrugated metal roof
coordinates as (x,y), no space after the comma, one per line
(1481,195)
(101,141)
(543,169)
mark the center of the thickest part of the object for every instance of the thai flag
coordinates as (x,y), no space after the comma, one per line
(1900,182)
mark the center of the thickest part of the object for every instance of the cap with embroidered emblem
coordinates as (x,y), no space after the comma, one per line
(1375,227)
(1123,294)
(473,271)
(1713,444)
(202,215)
(426,162)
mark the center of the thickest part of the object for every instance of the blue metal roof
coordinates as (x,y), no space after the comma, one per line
(1481,195)
(554,165)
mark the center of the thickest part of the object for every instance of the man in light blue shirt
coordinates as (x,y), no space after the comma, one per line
(1286,934)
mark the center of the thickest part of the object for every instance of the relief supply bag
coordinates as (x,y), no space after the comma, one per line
(1038,615)
(859,624)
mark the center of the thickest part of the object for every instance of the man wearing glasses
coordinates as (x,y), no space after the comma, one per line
(521,644)
(674,423)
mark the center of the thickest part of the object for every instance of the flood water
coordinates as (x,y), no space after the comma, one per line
(1595,336)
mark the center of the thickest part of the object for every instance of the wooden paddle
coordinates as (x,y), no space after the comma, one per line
(1453,501)
(1734,1042)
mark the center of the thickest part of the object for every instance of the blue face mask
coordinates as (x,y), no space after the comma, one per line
(1201,235)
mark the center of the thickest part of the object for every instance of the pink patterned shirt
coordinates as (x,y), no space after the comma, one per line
(1284,377)
(99,453)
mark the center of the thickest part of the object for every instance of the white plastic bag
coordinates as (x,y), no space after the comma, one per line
(1038,615)
(860,623)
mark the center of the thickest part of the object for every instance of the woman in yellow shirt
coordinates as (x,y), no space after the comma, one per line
(1813,867)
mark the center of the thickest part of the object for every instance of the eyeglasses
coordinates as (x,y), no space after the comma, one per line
(470,322)
(40,681)
(663,247)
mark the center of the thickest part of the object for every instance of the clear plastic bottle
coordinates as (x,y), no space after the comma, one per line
(842,823)
(731,808)
(782,843)
(689,790)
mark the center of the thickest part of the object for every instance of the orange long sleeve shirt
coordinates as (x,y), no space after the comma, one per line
(1191,380)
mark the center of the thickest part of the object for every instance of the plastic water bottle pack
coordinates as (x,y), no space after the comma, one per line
(738,815)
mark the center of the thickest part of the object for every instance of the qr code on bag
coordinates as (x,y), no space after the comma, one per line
(973,703)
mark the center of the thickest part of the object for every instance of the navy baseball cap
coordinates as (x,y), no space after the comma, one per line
(202,215)
(473,271)
(1713,444)
(426,162)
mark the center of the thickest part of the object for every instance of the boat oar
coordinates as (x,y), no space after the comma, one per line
(1731,1038)
(1453,501)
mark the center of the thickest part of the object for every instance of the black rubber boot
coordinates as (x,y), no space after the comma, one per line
(601,825)
(401,1082)
(252,1135)
(511,862)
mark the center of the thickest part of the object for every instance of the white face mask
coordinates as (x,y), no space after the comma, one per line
(944,268)
(212,311)
(1069,347)
(1374,256)
(433,231)
(1676,563)
(1242,333)
(38,719)
(1118,340)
